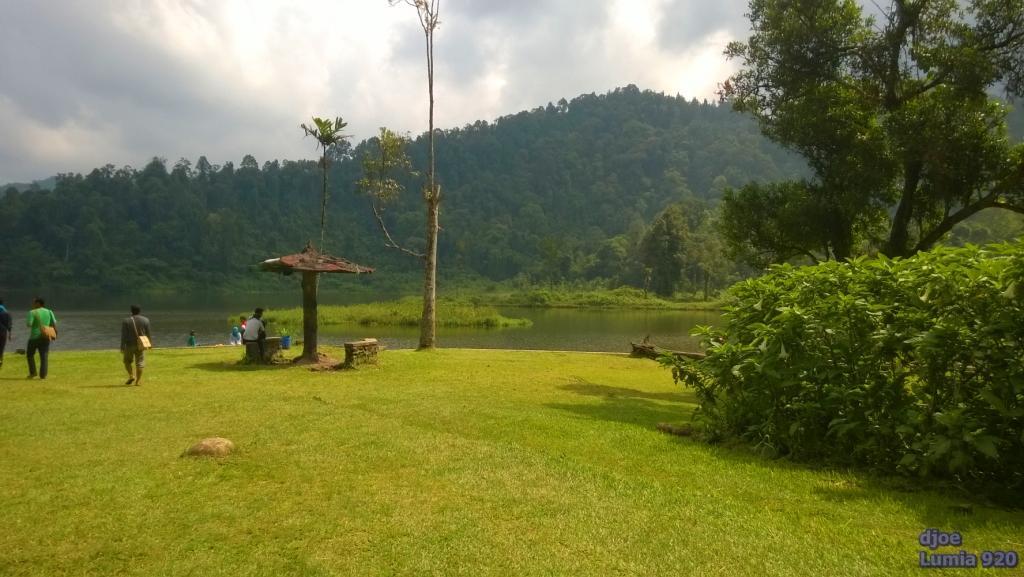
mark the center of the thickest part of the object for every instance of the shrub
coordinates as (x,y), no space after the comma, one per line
(914,365)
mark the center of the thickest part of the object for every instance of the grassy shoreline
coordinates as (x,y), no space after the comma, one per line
(480,309)
(452,462)
(624,298)
(405,312)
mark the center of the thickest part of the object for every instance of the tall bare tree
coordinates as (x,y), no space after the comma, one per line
(427,11)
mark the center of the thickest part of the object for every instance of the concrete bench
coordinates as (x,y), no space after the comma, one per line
(271,350)
(362,352)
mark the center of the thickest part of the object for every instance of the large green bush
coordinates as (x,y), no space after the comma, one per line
(911,364)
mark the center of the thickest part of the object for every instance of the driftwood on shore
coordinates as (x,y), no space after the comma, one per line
(651,351)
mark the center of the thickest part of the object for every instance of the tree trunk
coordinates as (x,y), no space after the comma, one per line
(323,210)
(899,235)
(310,280)
(428,324)
(838,231)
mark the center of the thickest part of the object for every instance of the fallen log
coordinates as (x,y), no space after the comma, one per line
(652,351)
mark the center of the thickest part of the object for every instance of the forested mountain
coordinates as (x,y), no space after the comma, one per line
(1015,120)
(559,192)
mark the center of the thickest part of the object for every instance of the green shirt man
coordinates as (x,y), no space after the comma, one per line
(39,317)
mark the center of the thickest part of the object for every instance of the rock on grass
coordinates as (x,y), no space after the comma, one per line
(210,447)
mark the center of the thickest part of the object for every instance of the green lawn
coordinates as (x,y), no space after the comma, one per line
(449,463)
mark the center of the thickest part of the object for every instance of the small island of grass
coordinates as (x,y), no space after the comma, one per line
(559,297)
(404,312)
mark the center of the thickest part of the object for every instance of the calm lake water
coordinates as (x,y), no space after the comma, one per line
(85,328)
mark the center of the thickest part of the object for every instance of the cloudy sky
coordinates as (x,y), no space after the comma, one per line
(89,82)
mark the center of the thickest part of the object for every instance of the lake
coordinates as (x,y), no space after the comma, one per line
(85,328)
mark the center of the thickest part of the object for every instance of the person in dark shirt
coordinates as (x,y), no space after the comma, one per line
(6,326)
(132,328)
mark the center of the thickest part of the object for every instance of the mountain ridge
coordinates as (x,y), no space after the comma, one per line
(536,194)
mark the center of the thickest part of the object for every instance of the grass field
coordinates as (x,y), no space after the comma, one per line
(455,462)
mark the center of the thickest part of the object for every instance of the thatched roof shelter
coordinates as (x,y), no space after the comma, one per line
(310,260)
(311,264)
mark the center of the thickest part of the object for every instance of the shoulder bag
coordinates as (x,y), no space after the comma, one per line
(143,340)
(46,331)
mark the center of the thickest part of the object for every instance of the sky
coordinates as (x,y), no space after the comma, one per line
(84,83)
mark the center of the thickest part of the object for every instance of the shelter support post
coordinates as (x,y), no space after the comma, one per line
(309,315)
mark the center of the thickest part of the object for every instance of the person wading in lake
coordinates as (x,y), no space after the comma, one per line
(42,326)
(133,349)
(5,330)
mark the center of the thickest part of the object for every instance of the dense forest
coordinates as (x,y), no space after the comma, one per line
(562,192)
(575,190)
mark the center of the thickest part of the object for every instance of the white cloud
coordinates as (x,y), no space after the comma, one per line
(85,83)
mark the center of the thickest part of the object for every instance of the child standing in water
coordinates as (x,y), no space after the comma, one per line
(191,338)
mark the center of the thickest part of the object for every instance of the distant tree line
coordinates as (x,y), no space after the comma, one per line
(564,192)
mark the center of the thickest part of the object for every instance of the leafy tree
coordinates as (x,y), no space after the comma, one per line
(777,222)
(663,250)
(707,254)
(617,259)
(249,162)
(893,116)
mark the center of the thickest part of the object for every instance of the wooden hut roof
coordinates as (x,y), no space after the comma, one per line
(312,261)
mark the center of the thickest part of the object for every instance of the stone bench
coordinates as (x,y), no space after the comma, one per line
(271,350)
(362,352)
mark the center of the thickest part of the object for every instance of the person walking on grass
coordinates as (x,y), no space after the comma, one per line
(42,324)
(133,348)
(5,330)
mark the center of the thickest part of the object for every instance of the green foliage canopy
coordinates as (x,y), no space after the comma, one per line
(663,250)
(892,113)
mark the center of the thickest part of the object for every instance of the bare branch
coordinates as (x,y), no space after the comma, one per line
(947,224)
(390,241)
(1011,207)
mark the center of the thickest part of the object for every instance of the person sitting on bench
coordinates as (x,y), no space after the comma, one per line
(256,333)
